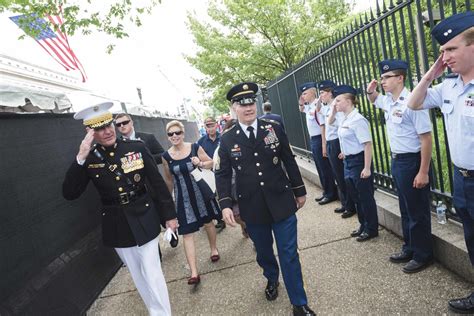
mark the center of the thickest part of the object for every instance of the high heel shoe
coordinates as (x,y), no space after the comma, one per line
(194,280)
(215,258)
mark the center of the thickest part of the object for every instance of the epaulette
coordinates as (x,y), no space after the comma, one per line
(270,121)
(451,76)
(230,128)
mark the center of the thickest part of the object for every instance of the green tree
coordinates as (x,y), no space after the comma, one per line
(89,16)
(257,40)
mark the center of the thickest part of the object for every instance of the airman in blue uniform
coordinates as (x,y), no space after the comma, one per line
(409,134)
(455,97)
(356,147)
(268,198)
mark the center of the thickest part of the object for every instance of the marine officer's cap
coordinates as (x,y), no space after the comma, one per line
(327,84)
(307,85)
(392,64)
(244,93)
(96,116)
(452,26)
(344,89)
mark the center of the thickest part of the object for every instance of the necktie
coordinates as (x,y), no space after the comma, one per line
(252,135)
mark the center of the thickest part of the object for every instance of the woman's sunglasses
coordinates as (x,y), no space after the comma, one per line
(122,123)
(177,133)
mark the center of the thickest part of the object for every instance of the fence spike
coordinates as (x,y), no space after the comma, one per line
(384,7)
(391,6)
(366,19)
(377,7)
(361,23)
(372,17)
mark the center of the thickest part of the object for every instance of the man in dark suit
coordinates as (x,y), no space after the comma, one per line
(268,200)
(267,110)
(124,124)
(120,170)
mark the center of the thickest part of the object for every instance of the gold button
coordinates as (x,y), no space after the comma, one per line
(147,205)
(111,154)
(261,184)
(117,178)
(120,189)
(260,173)
(257,164)
(96,175)
(255,154)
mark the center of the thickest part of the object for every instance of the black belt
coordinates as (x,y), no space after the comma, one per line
(466,173)
(125,197)
(404,155)
(355,155)
(316,136)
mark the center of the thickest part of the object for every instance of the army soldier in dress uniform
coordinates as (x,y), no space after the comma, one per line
(455,97)
(119,170)
(268,199)
(409,135)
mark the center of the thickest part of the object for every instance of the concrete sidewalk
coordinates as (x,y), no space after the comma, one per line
(341,275)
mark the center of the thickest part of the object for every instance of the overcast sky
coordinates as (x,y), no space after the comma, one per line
(159,44)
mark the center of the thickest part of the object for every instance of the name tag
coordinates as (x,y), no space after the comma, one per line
(96,165)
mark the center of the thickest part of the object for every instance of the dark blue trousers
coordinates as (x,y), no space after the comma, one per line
(361,192)
(463,198)
(337,166)
(286,238)
(414,207)
(323,167)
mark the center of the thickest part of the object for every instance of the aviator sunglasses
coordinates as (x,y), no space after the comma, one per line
(122,123)
(177,133)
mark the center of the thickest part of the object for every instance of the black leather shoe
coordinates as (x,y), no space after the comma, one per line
(302,310)
(319,198)
(356,233)
(463,305)
(220,224)
(365,236)
(414,266)
(339,210)
(348,214)
(271,291)
(400,257)
(326,200)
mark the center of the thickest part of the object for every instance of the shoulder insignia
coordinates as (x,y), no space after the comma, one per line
(451,76)
(270,121)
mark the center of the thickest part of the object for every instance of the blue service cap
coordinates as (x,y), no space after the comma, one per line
(306,86)
(327,84)
(243,90)
(344,88)
(392,64)
(452,26)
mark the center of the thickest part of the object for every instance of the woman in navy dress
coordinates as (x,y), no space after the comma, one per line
(194,211)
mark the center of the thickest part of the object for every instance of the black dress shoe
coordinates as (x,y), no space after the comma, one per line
(400,257)
(326,200)
(339,210)
(414,266)
(348,214)
(319,198)
(271,291)
(365,236)
(302,310)
(463,305)
(356,233)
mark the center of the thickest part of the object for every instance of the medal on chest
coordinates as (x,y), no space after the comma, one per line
(132,161)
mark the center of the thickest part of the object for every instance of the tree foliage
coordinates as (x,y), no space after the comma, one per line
(85,16)
(257,40)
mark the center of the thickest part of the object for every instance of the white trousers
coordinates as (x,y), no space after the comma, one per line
(145,267)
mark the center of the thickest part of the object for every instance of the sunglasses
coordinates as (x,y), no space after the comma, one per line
(177,133)
(122,123)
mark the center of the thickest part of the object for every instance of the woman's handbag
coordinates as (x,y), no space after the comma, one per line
(204,179)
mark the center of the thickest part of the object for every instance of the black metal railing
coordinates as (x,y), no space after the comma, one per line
(400,30)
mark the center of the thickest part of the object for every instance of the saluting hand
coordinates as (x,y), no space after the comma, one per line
(228,217)
(300,201)
(436,69)
(86,145)
(372,86)
(421,180)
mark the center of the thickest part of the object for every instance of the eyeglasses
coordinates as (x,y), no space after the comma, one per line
(122,123)
(387,77)
(177,133)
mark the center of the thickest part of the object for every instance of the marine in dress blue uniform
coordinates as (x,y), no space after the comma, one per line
(409,134)
(268,199)
(353,136)
(333,149)
(455,97)
(120,170)
(314,121)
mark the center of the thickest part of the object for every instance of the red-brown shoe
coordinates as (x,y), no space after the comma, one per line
(194,280)
(215,258)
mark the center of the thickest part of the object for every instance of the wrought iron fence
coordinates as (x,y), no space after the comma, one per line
(400,30)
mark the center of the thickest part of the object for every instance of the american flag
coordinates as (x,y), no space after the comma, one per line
(54,43)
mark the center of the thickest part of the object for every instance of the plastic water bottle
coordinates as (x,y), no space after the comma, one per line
(441,212)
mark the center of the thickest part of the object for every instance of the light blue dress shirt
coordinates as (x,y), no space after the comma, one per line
(353,133)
